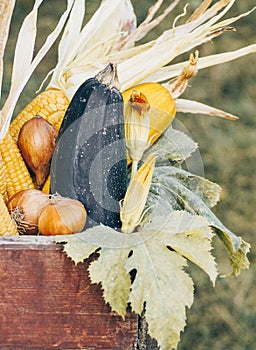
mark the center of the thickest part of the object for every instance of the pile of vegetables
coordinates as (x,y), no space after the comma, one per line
(100,138)
(95,161)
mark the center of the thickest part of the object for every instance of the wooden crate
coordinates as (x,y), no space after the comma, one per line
(47,302)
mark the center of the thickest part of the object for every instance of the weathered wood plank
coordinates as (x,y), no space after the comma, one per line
(47,302)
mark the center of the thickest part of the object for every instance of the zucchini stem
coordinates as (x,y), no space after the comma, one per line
(108,76)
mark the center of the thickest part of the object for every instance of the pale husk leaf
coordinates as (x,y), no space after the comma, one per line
(176,42)
(194,107)
(134,68)
(190,25)
(71,33)
(113,20)
(169,72)
(6,10)
(144,62)
(148,24)
(200,10)
(24,64)
(231,20)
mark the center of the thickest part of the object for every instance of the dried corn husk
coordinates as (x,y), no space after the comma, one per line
(137,127)
(25,62)
(151,61)
(6,10)
(83,51)
(136,196)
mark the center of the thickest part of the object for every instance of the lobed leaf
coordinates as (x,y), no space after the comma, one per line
(189,235)
(179,180)
(172,146)
(157,256)
(164,287)
(116,280)
(75,247)
(181,197)
(80,246)
(238,256)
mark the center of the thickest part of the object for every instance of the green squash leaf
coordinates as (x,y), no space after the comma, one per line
(207,191)
(116,281)
(165,288)
(173,146)
(74,249)
(81,245)
(177,190)
(238,257)
(185,233)
(157,256)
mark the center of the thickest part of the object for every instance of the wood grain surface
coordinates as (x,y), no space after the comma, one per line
(47,302)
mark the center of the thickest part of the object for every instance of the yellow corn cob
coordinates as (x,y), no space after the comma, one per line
(50,104)
(17,174)
(46,187)
(3,190)
(7,225)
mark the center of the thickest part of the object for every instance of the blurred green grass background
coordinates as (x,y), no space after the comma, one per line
(224,317)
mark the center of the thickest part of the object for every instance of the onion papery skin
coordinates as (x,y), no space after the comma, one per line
(62,217)
(25,208)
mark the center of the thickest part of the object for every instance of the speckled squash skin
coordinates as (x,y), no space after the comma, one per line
(89,163)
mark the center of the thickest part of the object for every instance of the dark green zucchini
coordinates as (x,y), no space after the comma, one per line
(89,162)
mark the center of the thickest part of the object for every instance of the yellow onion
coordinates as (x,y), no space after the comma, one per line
(25,207)
(62,216)
(36,142)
